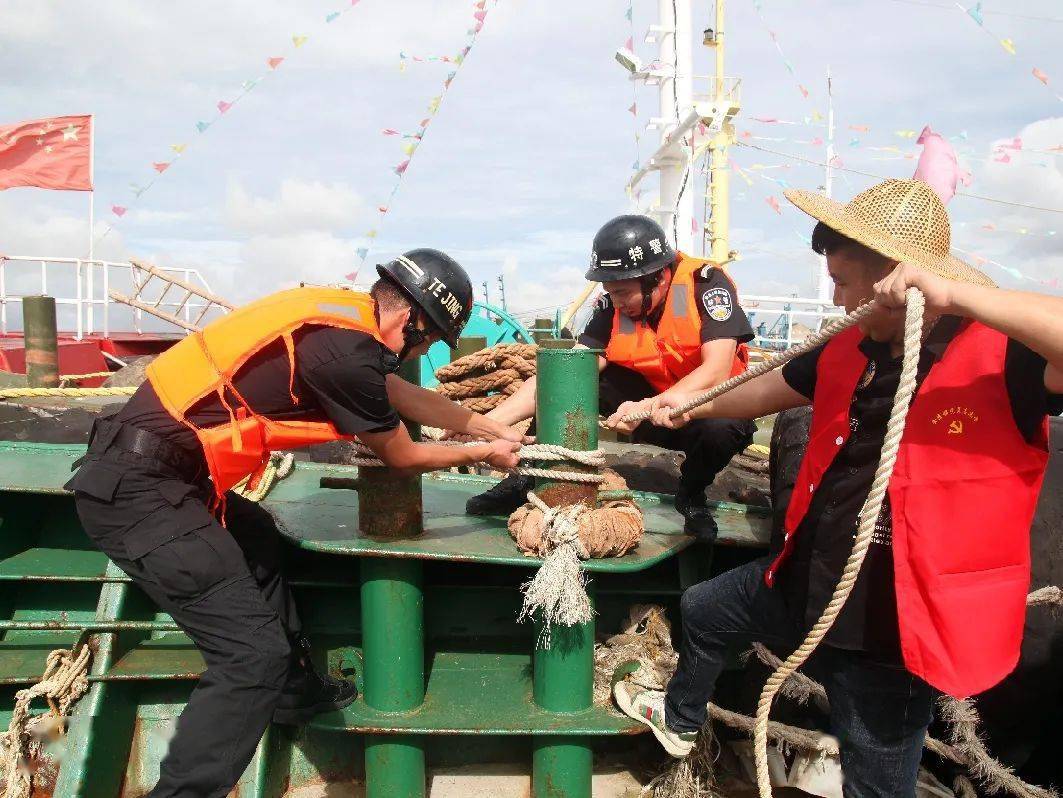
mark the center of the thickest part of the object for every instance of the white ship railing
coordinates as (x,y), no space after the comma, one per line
(774,317)
(84,286)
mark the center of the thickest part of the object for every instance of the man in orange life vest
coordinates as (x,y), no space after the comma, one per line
(940,600)
(667,323)
(302,366)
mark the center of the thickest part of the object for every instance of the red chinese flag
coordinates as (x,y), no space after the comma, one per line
(47,153)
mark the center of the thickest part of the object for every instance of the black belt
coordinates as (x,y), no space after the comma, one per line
(111,434)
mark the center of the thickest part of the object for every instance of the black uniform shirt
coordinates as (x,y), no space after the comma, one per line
(868,622)
(339,377)
(721,316)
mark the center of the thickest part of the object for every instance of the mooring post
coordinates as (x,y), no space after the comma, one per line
(41,341)
(543,329)
(468,344)
(563,676)
(393,625)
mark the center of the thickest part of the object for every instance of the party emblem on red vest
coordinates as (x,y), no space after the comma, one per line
(955,416)
(717,302)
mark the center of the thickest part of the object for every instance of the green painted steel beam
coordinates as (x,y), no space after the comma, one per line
(393,647)
(566,413)
(393,624)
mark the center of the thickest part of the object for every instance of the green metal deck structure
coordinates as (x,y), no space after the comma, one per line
(424,622)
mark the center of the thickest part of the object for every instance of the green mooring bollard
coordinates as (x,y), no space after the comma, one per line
(41,341)
(393,626)
(563,675)
(467,345)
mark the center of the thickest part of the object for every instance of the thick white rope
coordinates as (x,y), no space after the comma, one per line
(64,681)
(558,591)
(775,361)
(913,334)
(538,452)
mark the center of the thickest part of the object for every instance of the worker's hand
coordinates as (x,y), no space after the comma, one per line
(617,422)
(502,454)
(663,406)
(503,432)
(937,291)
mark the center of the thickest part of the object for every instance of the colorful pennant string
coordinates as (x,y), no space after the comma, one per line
(1007,44)
(222,107)
(758,6)
(413,140)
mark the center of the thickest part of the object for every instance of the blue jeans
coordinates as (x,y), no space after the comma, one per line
(878,712)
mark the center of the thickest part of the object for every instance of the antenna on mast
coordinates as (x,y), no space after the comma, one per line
(681,112)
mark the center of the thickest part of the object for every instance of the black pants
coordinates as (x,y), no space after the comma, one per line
(222,586)
(878,712)
(708,443)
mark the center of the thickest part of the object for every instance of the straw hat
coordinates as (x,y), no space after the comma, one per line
(901,219)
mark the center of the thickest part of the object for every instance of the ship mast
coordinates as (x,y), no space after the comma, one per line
(682,110)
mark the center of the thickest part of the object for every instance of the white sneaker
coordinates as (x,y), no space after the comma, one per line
(647,707)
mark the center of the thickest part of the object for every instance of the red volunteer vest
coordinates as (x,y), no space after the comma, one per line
(962,494)
(666,355)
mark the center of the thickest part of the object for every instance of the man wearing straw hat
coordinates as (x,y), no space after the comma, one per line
(939,602)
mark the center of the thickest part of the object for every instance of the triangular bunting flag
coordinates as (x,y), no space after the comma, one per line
(630,43)
(161,167)
(332,17)
(118,210)
(247,85)
(774,203)
(223,106)
(401,168)
(371,234)
(362,252)
(480,15)
(633,110)
(409,148)
(975,13)
(388,131)
(803,90)
(202,126)
(275,62)
(627,14)
(1008,45)
(382,208)
(178,148)
(1041,76)
(299,41)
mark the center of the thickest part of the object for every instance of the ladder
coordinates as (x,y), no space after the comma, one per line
(143,275)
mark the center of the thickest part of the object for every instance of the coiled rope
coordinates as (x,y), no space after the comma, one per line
(537,452)
(64,681)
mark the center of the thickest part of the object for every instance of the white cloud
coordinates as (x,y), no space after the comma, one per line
(298,206)
(284,261)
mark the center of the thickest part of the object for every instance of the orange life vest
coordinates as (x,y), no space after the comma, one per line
(666,355)
(205,363)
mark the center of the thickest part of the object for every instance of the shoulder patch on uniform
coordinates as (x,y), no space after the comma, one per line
(718,304)
(706,272)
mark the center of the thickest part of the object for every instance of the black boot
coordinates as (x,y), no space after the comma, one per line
(503,498)
(691,504)
(307,692)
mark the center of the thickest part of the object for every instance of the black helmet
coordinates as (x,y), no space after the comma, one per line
(436,284)
(629,246)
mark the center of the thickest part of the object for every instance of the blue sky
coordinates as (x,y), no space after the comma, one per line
(532,146)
